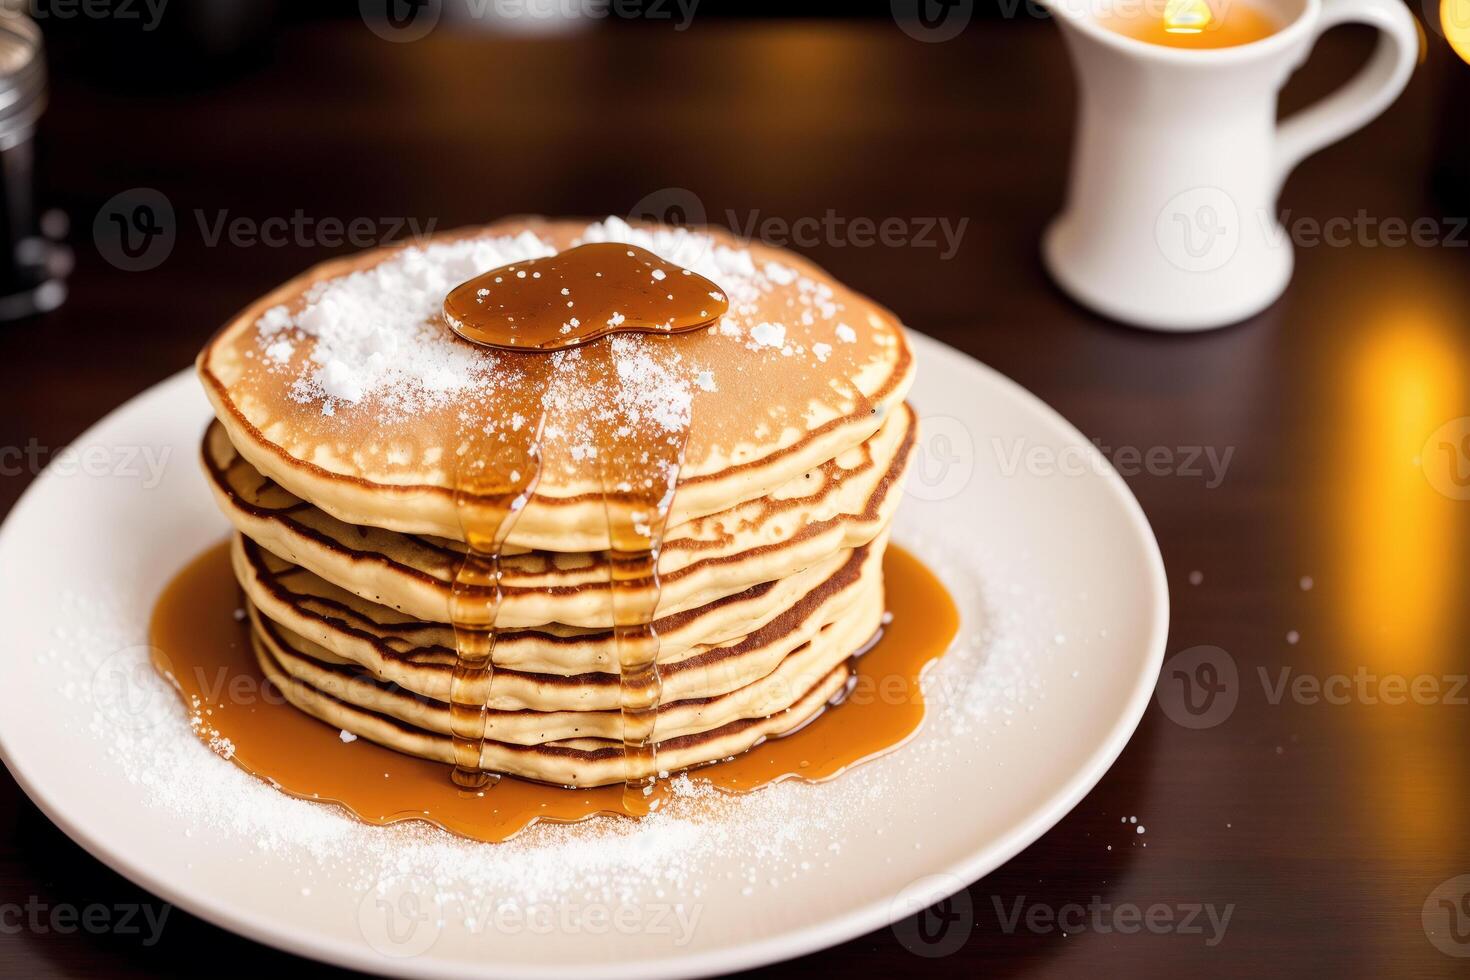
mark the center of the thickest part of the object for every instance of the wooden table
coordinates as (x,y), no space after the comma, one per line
(1323,826)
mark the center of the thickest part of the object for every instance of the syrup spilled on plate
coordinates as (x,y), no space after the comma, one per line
(206,652)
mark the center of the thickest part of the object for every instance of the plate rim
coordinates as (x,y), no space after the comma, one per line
(872,916)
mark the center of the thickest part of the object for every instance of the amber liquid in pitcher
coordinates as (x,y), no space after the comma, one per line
(1193,23)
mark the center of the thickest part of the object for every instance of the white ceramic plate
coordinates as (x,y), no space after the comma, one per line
(1065,608)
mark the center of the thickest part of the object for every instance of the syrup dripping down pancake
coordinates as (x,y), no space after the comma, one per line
(352,633)
(338,629)
(829,645)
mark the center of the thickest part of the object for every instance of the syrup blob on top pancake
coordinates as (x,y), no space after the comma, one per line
(581,295)
(346,386)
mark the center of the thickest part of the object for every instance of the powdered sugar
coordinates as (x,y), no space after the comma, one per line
(768,335)
(647,400)
(377,331)
(377,334)
(280,351)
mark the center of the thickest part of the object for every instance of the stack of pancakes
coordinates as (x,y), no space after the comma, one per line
(342,406)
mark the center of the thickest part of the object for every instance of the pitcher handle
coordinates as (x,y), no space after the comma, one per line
(1364,96)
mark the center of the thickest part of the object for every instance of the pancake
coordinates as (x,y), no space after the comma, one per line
(794,674)
(354,431)
(352,628)
(582,762)
(336,628)
(344,387)
(835,507)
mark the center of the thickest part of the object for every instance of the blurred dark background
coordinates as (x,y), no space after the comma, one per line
(166,154)
(205,39)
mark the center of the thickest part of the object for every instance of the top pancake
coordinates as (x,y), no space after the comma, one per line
(345,387)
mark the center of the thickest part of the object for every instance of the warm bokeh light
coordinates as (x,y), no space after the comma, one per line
(1395,546)
(1189,16)
(1398,532)
(1454,20)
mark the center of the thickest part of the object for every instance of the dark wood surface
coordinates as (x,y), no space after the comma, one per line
(1324,827)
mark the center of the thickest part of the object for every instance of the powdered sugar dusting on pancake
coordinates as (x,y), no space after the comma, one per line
(377,334)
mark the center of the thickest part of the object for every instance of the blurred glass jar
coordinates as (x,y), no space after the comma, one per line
(33,266)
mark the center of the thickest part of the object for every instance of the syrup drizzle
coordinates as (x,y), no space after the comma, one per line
(635,531)
(497,474)
(528,310)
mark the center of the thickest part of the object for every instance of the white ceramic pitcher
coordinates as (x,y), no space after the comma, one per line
(1170,220)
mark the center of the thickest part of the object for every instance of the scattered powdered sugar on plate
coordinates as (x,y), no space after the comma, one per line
(757,840)
(989,679)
